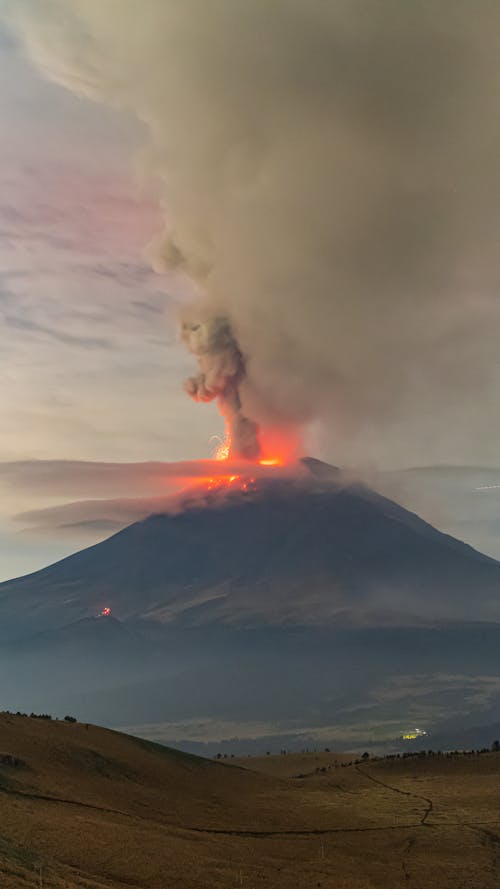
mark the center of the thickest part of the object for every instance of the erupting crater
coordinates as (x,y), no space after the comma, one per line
(231,475)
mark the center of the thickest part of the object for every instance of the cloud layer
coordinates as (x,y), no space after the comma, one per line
(52,478)
(121,493)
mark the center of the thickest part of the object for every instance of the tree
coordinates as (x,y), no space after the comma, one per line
(496,746)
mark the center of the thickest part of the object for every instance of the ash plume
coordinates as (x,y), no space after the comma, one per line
(222,370)
(329,173)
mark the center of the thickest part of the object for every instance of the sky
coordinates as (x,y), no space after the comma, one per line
(335,199)
(88,330)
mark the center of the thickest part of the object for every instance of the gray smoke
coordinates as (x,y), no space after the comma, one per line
(329,173)
(222,370)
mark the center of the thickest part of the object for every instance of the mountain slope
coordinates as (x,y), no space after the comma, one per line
(297,552)
(308,603)
(86,808)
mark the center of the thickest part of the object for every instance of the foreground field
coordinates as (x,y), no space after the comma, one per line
(86,808)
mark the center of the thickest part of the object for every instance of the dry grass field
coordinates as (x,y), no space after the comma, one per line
(87,808)
(293,765)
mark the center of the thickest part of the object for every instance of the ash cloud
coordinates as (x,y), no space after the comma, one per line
(329,176)
(222,371)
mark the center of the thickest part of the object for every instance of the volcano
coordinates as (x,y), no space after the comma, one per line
(310,550)
(302,598)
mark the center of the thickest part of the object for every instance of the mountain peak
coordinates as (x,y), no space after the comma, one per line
(320,469)
(284,554)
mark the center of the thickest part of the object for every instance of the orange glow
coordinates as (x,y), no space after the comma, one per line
(223,452)
(278,446)
(220,447)
(234,482)
(105,612)
(272,461)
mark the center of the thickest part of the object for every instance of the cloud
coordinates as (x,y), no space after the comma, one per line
(453,498)
(122,492)
(86,370)
(159,488)
(83,478)
(91,518)
(80,477)
(331,189)
(69,339)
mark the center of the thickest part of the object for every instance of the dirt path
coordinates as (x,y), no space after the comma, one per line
(429,804)
(490,841)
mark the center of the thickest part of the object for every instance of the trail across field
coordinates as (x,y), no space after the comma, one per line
(94,809)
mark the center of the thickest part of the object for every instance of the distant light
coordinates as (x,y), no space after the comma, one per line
(105,612)
(412,735)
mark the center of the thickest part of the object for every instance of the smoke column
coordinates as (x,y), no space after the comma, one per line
(222,370)
(329,173)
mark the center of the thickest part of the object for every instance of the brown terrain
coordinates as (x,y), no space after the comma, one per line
(87,808)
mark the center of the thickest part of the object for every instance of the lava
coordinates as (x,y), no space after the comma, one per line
(277,449)
(275,453)
(222,452)
(237,482)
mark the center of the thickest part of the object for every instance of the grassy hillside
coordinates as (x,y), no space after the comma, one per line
(97,809)
(293,765)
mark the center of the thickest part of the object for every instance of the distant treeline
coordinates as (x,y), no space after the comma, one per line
(389,757)
(37,715)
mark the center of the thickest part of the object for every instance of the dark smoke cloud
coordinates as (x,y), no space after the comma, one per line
(329,173)
(222,371)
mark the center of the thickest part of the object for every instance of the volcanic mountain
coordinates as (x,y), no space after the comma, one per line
(306,550)
(303,601)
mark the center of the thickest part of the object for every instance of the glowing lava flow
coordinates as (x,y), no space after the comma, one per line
(237,482)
